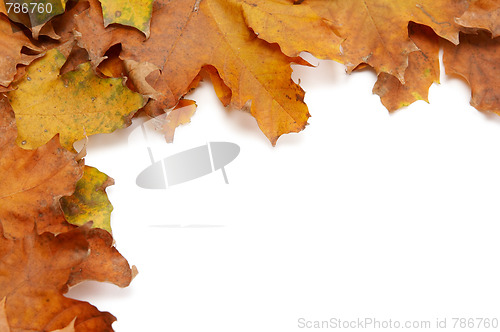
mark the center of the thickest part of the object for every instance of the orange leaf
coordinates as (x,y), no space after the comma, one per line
(32,181)
(477,59)
(375,31)
(484,14)
(187,35)
(422,71)
(13,40)
(294,28)
(32,185)
(35,270)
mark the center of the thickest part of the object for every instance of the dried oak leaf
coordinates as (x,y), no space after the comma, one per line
(375,31)
(187,35)
(34,15)
(4,323)
(294,28)
(32,183)
(422,72)
(13,40)
(74,105)
(112,67)
(484,14)
(134,13)
(34,274)
(477,59)
(65,23)
(104,262)
(89,201)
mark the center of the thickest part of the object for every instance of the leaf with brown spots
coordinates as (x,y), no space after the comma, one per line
(483,14)
(422,72)
(477,59)
(376,32)
(34,273)
(74,105)
(134,13)
(32,185)
(294,28)
(11,53)
(187,35)
(36,18)
(89,201)
(32,181)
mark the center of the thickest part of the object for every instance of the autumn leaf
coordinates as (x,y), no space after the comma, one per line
(11,54)
(99,51)
(94,37)
(483,14)
(134,13)
(64,24)
(294,28)
(180,115)
(253,69)
(76,57)
(222,91)
(89,201)
(477,59)
(375,31)
(112,67)
(34,15)
(4,323)
(74,105)
(422,71)
(34,271)
(32,181)
(104,263)
(13,15)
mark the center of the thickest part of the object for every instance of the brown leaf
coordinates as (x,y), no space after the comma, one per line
(187,35)
(32,185)
(137,72)
(65,23)
(477,59)
(104,262)
(222,91)
(32,181)
(484,14)
(76,57)
(375,31)
(422,71)
(13,40)
(75,105)
(112,67)
(34,274)
(97,40)
(36,18)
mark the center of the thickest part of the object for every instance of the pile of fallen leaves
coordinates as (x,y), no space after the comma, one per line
(89,66)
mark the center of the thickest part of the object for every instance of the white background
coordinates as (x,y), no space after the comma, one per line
(362,214)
